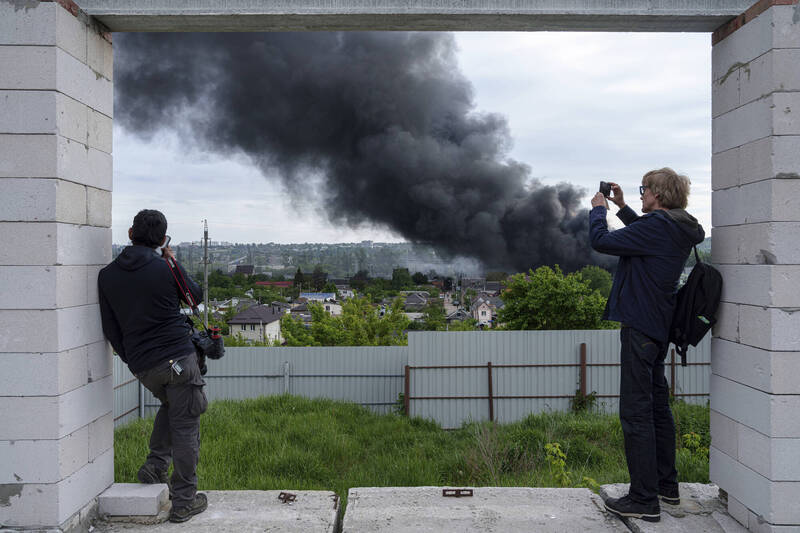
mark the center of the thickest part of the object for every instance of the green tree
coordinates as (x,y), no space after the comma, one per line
(360,279)
(469,324)
(401,279)
(433,318)
(419,278)
(358,325)
(299,278)
(547,299)
(318,278)
(496,276)
(218,279)
(599,279)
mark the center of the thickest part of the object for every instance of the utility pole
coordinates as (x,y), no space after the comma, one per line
(205,272)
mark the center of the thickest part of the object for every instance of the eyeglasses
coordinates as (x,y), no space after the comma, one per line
(641,189)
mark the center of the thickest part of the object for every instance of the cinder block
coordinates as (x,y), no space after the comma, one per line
(738,510)
(34,25)
(99,54)
(725,169)
(72,118)
(726,207)
(770,414)
(740,482)
(98,210)
(28,67)
(71,34)
(724,433)
(784,22)
(742,125)
(725,93)
(86,484)
(786,113)
(79,326)
(80,245)
(725,244)
(775,459)
(101,360)
(100,131)
(766,285)
(25,330)
(769,328)
(43,461)
(769,157)
(774,71)
(133,499)
(28,156)
(100,170)
(727,326)
(774,200)
(771,372)
(101,94)
(42,287)
(772,243)
(101,435)
(16,414)
(28,112)
(90,167)
(92,272)
(745,44)
(43,374)
(81,406)
(43,200)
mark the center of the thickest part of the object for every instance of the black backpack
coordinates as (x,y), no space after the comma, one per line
(696,307)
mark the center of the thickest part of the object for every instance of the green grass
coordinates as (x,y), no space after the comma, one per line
(287,442)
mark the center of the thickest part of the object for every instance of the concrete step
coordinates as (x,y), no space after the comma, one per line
(133,499)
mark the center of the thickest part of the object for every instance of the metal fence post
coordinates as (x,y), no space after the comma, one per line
(286,377)
(491,394)
(583,370)
(407,390)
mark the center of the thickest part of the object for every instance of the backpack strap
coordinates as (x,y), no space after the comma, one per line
(696,255)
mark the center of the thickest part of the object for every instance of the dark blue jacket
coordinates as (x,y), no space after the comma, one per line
(652,251)
(140,308)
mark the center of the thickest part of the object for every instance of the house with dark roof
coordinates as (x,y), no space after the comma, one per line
(459,315)
(484,309)
(416,301)
(258,323)
(247,270)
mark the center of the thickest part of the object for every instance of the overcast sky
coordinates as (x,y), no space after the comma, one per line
(581,107)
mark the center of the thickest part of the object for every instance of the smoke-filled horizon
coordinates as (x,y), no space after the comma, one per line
(381,126)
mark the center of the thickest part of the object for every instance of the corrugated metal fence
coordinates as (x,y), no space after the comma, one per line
(524,364)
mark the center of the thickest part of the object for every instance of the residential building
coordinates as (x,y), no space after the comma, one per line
(258,323)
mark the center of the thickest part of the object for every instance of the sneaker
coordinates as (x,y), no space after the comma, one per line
(671,497)
(182,514)
(626,508)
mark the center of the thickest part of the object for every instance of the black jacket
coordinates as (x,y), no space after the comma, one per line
(140,308)
(652,251)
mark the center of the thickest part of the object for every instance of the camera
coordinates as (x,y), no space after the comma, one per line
(605,188)
(209,343)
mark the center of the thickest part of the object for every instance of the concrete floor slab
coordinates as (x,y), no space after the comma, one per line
(490,509)
(244,511)
(700,511)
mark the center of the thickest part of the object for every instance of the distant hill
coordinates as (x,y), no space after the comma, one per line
(705,246)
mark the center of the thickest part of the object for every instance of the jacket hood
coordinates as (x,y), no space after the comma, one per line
(135,257)
(687,224)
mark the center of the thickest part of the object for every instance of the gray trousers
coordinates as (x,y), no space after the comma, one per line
(176,430)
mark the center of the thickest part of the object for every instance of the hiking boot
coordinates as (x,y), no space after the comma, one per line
(671,497)
(626,508)
(149,475)
(182,514)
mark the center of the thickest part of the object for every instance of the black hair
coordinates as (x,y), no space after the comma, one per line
(149,228)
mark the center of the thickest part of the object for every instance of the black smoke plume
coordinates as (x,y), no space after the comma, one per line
(385,122)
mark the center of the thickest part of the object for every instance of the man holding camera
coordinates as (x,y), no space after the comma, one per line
(140,310)
(652,251)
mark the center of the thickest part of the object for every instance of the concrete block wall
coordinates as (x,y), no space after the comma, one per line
(755,393)
(56,108)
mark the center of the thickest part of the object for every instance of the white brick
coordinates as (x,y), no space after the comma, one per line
(100,360)
(786,113)
(92,271)
(101,435)
(784,24)
(774,200)
(725,169)
(28,112)
(133,499)
(72,117)
(768,158)
(42,287)
(79,326)
(725,244)
(727,326)
(98,210)
(724,433)
(774,71)
(770,414)
(81,406)
(726,207)
(774,243)
(767,285)
(85,485)
(71,34)
(747,43)
(42,200)
(725,93)
(744,484)
(784,464)
(27,67)
(28,156)
(101,94)
(754,450)
(78,245)
(43,461)
(43,374)
(100,131)
(99,54)
(769,328)
(33,331)
(34,25)
(772,372)
(33,243)
(738,510)
(89,167)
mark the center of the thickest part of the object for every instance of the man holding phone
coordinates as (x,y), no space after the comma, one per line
(140,311)
(652,251)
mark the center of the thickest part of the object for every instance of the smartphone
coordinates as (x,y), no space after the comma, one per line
(166,243)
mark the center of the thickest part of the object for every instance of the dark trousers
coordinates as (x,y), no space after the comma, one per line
(647,423)
(176,430)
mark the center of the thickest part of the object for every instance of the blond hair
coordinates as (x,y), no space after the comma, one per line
(671,188)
